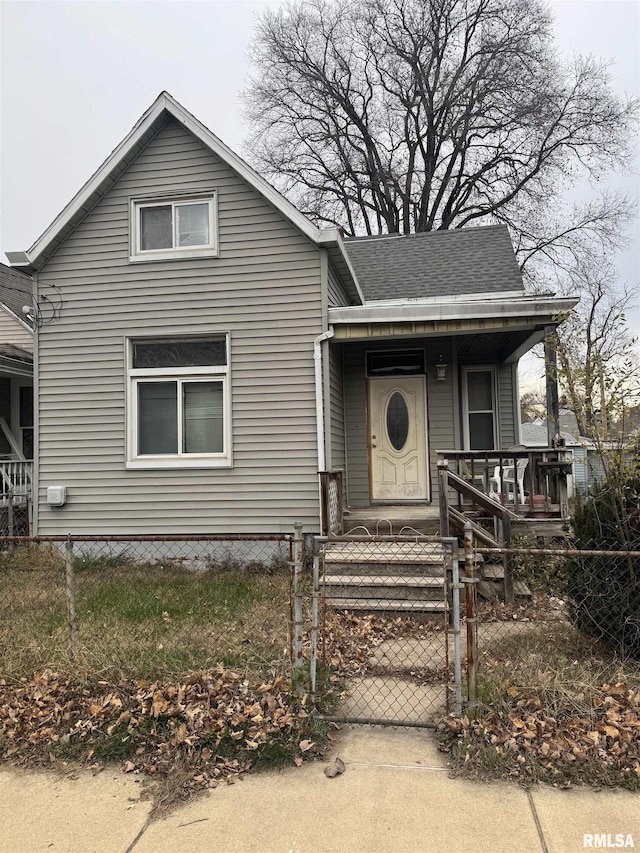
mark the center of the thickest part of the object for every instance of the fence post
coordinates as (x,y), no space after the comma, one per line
(471,618)
(71,598)
(508,561)
(443,497)
(10,522)
(313,664)
(297,595)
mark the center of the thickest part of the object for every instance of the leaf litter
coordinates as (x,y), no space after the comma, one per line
(208,728)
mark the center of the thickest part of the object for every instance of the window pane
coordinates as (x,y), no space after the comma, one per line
(481,431)
(192,225)
(203,415)
(27,443)
(479,385)
(157,417)
(211,352)
(155,228)
(397,421)
(26,406)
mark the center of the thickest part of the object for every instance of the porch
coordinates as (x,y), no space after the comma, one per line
(484,487)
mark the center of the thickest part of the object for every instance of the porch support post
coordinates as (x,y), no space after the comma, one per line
(551,380)
(443,496)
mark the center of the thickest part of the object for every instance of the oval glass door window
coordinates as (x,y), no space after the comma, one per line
(397,420)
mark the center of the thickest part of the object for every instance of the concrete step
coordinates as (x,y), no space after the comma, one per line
(400,605)
(418,581)
(384,552)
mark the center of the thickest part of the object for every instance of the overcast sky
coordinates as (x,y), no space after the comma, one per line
(77,75)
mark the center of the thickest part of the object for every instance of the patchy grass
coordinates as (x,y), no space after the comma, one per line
(136,619)
(554,707)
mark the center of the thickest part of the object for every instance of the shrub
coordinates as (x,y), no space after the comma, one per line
(604,591)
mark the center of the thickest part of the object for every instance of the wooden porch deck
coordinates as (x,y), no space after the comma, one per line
(425,519)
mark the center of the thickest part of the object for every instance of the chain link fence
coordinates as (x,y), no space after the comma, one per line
(144,607)
(570,606)
(385,632)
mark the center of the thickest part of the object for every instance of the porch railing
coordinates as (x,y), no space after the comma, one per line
(331,502)
(15,481)
(544,477)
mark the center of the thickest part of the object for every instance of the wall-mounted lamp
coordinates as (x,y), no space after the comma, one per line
(441,369)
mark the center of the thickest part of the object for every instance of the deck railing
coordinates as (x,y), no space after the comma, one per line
(545,476)
(331,502)
(15,481)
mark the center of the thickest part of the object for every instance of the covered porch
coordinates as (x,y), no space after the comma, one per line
(423,415)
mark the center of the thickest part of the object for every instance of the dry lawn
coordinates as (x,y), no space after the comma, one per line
(138,620)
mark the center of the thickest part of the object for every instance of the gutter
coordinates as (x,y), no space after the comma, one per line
(317,362)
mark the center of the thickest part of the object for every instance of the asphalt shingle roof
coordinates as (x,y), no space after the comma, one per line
(15,289)
(435,263)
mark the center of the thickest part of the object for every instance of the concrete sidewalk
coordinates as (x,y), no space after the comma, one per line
(395,795)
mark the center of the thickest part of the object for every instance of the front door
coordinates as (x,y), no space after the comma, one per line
(398,439)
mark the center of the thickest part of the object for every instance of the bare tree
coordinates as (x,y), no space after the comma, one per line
(597,355)
(413,115)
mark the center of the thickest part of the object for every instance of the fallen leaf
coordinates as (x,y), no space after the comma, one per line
(335,769)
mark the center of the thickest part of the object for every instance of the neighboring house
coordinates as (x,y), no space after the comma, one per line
(587,467)
(213,349)
(16,398)
(16,366)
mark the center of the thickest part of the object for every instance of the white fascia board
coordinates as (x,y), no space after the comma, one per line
(408,312)
(461,297)
(333,236)
(162,103)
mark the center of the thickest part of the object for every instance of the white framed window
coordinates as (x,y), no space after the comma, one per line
(479,408)
(176,227)
(178,402)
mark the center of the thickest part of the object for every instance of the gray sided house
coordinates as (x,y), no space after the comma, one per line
(210,349)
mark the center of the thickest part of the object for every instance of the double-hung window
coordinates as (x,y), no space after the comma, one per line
(479,407)
(180,227)
(179,403)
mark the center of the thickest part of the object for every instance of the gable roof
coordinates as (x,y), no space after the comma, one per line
(15,291)
(456,262)
(120,158)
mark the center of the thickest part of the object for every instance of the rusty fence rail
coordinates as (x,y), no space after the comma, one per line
(147,606)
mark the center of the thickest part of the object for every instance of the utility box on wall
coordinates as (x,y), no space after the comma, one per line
(56,495)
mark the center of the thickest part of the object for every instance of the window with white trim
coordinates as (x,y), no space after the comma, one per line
(479,407)
(179,403)
(174,228)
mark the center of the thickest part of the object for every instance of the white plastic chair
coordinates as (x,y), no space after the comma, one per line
(512,476)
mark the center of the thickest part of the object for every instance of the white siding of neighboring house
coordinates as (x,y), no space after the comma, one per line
(264,289)
(14,332)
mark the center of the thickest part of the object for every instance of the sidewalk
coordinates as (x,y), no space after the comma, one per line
(395,795)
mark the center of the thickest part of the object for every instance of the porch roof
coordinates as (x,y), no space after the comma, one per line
(478,314)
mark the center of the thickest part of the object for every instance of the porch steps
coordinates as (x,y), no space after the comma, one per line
(385,576)
(490,586)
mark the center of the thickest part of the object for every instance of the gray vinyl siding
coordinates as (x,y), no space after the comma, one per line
(337,296)
(443,408)
(580,470)
(13,332)
(264,289)
(506,414)
(336,392)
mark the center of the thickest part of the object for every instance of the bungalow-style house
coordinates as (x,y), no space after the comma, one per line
(213,350)
(16,388)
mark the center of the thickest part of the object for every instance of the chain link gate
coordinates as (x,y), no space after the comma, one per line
(385,636)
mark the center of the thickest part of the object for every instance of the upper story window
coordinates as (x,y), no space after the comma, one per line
(174,228)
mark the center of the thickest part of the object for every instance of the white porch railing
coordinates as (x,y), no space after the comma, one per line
(15,479)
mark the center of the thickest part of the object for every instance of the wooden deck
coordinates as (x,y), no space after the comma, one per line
(425,519)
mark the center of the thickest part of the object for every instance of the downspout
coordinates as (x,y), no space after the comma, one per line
(317,360)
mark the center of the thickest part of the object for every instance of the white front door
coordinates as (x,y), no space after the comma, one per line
(398,439)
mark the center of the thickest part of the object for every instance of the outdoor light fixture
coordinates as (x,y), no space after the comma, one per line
(441,369)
